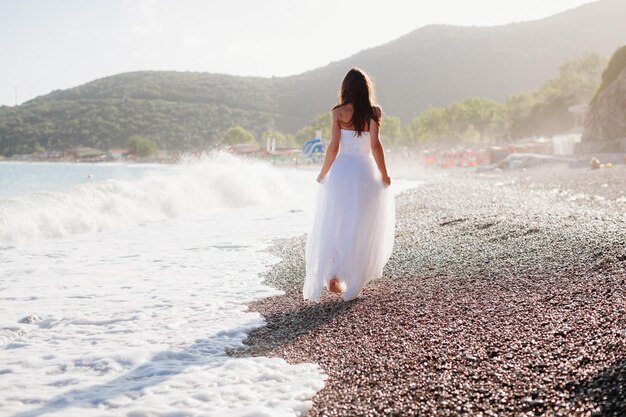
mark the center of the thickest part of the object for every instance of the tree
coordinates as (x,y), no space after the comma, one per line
(546,111)
(391,130)
(321,122)
(141,146)
(282,140)
(577,78)
(238,135)
(543,112)
(429,126)
(477,119)
(473,120)
(37,148)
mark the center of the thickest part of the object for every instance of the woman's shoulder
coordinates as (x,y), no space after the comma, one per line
(378,110)
(342,107)
(342,112)
(336,113)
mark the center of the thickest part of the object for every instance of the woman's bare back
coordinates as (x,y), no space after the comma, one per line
(345,116)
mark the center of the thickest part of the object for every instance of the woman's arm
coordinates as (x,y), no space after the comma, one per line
(333,146)
(377,148)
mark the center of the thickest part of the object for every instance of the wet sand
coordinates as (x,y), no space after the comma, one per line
(505,295)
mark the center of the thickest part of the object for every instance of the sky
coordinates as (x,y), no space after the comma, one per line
(57,44)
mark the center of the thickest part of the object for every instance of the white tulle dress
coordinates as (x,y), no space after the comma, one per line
(353,227)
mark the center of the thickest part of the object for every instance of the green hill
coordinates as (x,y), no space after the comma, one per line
(176,110)
(439,65)
(432,66)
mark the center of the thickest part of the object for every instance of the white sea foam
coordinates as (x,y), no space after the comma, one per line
(135,320)
(136,325)
(196,188)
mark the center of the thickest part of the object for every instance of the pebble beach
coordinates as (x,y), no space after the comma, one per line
(505,295)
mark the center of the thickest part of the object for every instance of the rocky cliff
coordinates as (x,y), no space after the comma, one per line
(605,125)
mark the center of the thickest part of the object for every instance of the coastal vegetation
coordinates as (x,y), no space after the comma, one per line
(141,146)
(104,114)
(56,122)
(238,135)
(543,112)
(282,140)
(429,74)
(321,123)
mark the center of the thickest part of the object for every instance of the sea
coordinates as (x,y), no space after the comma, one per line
(122,287)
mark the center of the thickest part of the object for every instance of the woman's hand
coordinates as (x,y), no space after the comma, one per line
(386,180)
(320,178)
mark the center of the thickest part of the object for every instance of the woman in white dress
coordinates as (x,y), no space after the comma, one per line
(353,228)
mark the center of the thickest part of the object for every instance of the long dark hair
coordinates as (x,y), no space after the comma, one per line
(358,89)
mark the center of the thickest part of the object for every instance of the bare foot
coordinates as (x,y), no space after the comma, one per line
(335,287)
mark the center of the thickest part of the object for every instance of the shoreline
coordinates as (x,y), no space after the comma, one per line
(502,297)
(156,163)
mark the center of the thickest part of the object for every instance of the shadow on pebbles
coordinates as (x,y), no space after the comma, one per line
(496,301)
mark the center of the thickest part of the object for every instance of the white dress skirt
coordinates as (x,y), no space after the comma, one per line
(353,228)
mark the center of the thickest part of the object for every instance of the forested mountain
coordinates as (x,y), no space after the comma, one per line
(438,65)
(432,66)
(176,110)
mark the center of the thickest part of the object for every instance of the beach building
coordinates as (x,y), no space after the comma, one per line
(118,154)
(85,153)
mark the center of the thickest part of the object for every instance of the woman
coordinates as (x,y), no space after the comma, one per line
(353,228)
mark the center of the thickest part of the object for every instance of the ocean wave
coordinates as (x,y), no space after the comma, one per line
(196,187)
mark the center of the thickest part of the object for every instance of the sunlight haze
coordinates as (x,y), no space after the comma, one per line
(207,209)
(51,45)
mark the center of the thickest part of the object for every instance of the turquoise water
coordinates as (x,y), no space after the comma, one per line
(19,179)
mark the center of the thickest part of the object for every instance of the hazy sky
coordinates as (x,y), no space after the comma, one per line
(56,44)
